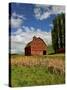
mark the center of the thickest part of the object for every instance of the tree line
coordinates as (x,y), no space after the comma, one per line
(58,32)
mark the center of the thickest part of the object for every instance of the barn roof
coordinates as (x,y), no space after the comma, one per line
(29,44)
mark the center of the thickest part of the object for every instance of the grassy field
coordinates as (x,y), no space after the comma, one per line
(37,70)
(50,49)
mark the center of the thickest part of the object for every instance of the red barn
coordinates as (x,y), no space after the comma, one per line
(36,47)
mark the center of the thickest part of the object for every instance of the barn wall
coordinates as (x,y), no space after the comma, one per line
(37,47)
(28,51)
(35,52)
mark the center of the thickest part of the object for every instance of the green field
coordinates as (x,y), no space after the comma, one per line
(33,70)
(50,49)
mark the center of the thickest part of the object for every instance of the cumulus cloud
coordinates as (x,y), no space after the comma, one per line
(39,14)
(22,36)
(58,9)
(42,12)
(14,14)
(16,20)
(51,25)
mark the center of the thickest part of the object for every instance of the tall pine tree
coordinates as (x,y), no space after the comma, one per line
(58,32)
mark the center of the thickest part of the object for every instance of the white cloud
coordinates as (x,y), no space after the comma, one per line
(45,15)
(41,15)
(16,20)
(18,31)
(58,9)
(14,14)
(13,51)
(44,11)
(20,39)
(16,23)
(51,25)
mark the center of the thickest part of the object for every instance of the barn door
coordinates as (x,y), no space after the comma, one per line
(44,52)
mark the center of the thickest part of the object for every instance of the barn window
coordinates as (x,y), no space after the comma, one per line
(44,52)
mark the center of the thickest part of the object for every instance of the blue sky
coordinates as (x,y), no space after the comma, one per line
(27,10)
(28,20)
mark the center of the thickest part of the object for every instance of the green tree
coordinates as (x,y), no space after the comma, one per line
(58,32)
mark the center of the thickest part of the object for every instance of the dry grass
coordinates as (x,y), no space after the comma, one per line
(53,63)
(37,70)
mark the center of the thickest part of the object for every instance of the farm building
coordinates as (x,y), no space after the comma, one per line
(36,47)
